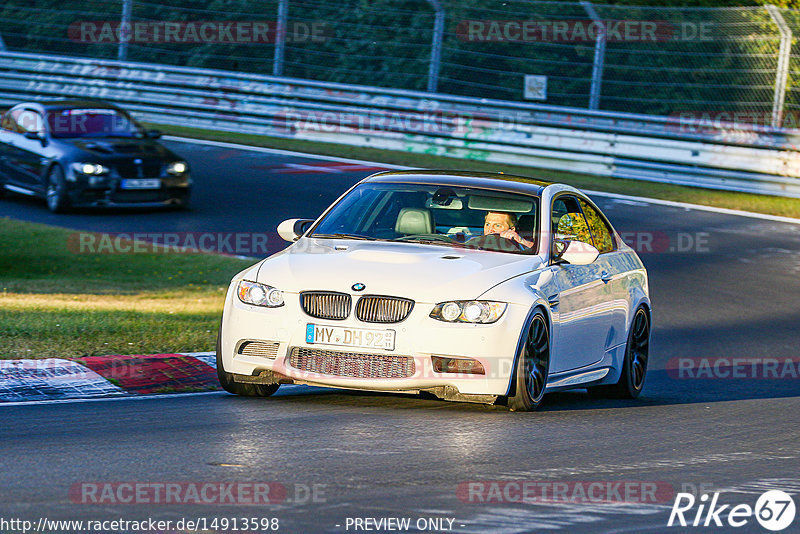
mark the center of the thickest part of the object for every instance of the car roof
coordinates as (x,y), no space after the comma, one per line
(496,181)
(49,105)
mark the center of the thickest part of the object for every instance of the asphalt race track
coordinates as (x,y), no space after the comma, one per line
(722,286)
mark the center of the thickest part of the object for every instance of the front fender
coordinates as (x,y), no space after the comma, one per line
(532,290)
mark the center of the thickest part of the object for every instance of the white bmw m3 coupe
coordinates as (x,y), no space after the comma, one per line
(467,286)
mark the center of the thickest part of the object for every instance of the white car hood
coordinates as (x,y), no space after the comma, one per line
(425,273)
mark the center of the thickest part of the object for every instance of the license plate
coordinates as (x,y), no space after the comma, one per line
(141,183)
(350,337)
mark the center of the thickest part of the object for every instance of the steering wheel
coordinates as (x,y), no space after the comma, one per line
(435,237)
(496,243)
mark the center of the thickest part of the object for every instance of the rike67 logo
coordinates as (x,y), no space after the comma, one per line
(774,510)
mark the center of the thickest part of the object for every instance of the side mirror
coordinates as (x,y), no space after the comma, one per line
(574,252)
(153,134)
(291,229)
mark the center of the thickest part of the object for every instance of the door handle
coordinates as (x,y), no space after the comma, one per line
(605,277)
(552,300)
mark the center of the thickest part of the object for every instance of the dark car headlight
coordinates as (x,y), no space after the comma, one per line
(259,294)
(89,169)
(469,311)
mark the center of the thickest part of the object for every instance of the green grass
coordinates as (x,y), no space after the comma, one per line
(787,207)
(55,301)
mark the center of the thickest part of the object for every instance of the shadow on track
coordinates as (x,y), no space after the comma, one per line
(661,389)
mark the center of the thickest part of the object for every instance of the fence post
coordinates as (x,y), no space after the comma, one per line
(436,46)
(280,37)
(782,71)
(599,55)
(124,35)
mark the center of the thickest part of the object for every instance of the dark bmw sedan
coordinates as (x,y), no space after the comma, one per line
(87,153)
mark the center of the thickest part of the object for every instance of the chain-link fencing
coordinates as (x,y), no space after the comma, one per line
(739,64)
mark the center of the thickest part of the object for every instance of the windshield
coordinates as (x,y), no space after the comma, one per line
(438,215)
(91,123)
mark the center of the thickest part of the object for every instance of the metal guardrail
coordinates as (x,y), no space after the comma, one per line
(754,159)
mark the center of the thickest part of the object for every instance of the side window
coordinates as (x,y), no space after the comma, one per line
(600,230)
(568,220)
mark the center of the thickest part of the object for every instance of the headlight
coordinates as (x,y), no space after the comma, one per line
(259,294)
(177,167)
(469,311)
(92,169)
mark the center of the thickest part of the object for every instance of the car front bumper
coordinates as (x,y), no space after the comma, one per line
(418,337)
(171,192)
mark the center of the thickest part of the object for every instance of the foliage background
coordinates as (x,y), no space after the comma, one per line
(387,43)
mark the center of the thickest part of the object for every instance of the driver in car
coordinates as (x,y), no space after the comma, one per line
(504,224)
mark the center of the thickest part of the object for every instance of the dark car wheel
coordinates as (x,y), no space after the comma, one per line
(56,192)
(533,364)
(229,385)
(634,367)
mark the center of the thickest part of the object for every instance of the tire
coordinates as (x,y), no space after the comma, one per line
(237,388)
(634,367)
(533,364)
(56,191)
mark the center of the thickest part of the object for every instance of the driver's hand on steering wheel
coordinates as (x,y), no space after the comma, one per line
(513,235)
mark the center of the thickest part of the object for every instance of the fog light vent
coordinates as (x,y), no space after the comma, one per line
(468,366)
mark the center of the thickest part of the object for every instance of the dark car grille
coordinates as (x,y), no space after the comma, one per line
(351,364)
(378,309)
(133,196)
(263,349)
(326,304)
(149,169)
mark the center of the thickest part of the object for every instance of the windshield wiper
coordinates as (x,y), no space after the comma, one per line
(345,236)
(428,241)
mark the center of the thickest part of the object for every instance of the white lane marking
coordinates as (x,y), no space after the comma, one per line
(251,148)
(314,168)
(697,207)
(127,397)
(646,200)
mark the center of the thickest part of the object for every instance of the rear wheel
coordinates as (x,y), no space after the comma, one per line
(533,364)
(237,388)
(57,199)
(634,367)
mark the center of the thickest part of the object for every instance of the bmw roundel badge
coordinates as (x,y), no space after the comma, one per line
(358,286)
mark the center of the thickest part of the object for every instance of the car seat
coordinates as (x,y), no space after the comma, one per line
(414,221)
